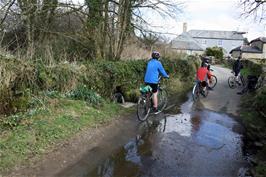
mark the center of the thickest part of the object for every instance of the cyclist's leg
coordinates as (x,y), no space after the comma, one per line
(155,95)
(155,100)
(237,76)
(206,81)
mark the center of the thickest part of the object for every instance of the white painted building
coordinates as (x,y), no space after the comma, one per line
(199,40)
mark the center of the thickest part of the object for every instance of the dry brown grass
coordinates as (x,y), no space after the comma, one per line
(134,51)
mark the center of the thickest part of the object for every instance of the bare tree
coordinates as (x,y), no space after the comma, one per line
(5,8)
(106,24)
(254,8)
(116,20)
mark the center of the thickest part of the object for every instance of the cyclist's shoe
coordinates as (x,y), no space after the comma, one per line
(155,110)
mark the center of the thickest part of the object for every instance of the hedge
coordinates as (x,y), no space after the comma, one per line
(19,78)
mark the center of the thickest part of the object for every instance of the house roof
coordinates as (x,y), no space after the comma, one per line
(262,39)
(211,34)
(185,42)
(246,49)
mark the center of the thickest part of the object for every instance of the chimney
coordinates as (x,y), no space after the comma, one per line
(184,27)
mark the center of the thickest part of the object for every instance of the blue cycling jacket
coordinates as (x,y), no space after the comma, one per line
(154,68)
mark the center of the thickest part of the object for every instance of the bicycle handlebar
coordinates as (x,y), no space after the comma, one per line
(160,77)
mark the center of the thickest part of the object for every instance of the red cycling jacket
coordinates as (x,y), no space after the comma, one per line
(203,74)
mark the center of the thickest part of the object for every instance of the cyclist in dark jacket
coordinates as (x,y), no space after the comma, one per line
(153,70)
(237,67)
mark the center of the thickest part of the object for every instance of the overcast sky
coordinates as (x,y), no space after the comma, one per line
(211,15)
(208,15)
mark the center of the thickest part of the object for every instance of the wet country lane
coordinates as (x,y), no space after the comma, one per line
(194,143)
(201,140)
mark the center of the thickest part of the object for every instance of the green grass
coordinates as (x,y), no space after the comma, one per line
(37,133)
(245,72)
(261,170)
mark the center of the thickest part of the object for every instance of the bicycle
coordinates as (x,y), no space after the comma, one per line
(233,82)
(145,102)
(200,88)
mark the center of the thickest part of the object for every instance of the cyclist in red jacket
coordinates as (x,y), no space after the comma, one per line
(203,74)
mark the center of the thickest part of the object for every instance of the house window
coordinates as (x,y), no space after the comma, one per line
(204,41)
(220,43)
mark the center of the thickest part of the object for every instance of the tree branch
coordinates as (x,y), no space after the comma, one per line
(7,10)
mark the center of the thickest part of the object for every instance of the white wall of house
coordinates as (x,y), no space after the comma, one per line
(264,50)
(197,52)
(252,55)
(228,45)
(189,52)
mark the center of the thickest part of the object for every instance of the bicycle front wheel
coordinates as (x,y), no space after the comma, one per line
(232,82)
(143,108)
(195,92)
(213,81)
(162,99)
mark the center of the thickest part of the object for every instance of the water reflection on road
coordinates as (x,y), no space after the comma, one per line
(190,143)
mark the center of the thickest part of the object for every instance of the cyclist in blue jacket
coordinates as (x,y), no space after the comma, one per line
(153,70)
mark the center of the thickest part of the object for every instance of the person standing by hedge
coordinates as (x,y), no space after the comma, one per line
(153,70)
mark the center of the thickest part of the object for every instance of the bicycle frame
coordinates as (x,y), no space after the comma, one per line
(233,81)
(199,89)
(145,102)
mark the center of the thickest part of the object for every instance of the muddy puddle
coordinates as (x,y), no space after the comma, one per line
(186,142)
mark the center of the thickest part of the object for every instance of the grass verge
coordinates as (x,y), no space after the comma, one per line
(40,129)
(254,120)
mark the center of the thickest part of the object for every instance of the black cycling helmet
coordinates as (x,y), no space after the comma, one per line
(204,64)
(155,55)
(205,59)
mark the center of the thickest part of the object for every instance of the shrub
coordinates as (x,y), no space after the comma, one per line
(83,93)
(217,52)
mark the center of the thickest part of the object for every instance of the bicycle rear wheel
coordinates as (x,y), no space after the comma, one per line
(213,81)
(195,92)
(143,108)
(204,91)
(232,82)
(162,99)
